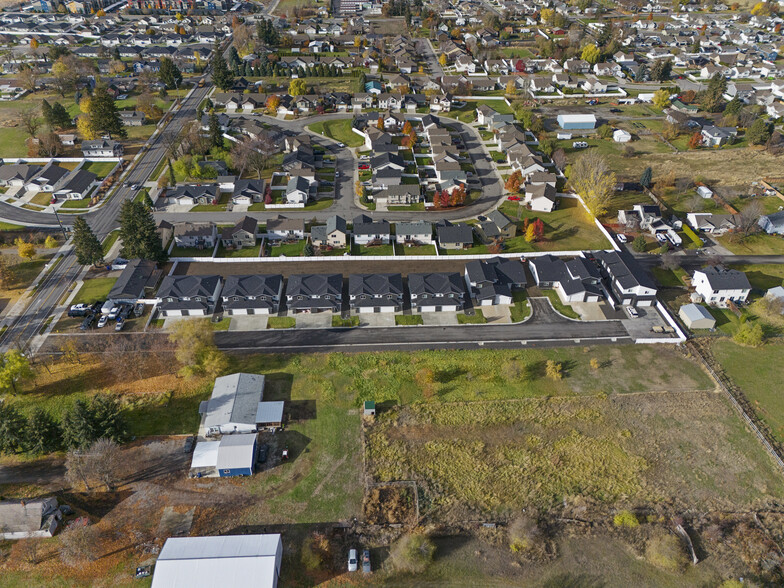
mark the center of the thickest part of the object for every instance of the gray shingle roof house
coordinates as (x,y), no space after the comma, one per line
(252,294)
(285,228)
(375,292)
(22,519)
(366,230)
(102,148)
(435,292)
(576,280)
(243,234)
(188,295)
(719,285)
(458,236)
(491,281)
(200,235)
(78,185)
(314,292)
(414,233)
(233,404)
(333,234)
(194,194)
(17,174)
(137,278)
(770,223)
(628,282)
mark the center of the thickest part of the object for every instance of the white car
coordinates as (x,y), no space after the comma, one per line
(661,238)
(102,321)
(632,311)
(352,560)
(622,238)
(114,312)
(341,144)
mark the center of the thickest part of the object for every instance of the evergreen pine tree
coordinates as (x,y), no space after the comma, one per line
(647,176)
(169,74)
(103,112)
(60,117)
(116,54)
(12,426)
(221,76)
(138,233)
(42,434)
(108,421)
(86,245)
(78,426)
(172,177)
(46,112)
(216,135)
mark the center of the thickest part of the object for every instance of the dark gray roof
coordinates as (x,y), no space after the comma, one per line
(195,191)
(53,173)
(720,278)
(18,171)
(414,228)
(499,218)
(188,286)
(80,181)
(247,223)
(436,283)
(314,285)
(135,277)
(364,225)
(459,233)
(622,266)
(252,285)
(375,284)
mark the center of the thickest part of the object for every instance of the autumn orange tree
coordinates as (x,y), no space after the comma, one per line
(514,182)
(695,140)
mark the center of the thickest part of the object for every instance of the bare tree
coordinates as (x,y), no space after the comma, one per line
(559,158)
(695,203)
(669,261)
(28,550)
(28,78)
(749,217)
(50,145)
(30,120)
(78,545)
(101,463)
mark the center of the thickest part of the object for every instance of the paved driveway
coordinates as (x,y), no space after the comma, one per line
(439,318)
(497,315)
(254,322)
(316,320)
(377,319)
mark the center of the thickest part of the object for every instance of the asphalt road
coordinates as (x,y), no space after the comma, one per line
(425,48)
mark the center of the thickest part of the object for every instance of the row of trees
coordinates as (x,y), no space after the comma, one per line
(83,424)
(446,199)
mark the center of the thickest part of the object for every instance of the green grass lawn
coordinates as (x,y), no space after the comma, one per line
(759,373)
(94,290)
(244,252)
(670,278)
(762,276)
(109,241)
(190,252)
(100,168)
(408,319)
(559,306)
(281,322)
(419,206)
(371,251)
(415,250)
(12,142)
(288,249)
(756,244)
(81,203)
(520,308)
(338,130)
(4,226)
(338,321)
(140,132)
(478,318)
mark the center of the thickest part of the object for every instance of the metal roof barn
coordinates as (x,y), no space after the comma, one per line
(234,560)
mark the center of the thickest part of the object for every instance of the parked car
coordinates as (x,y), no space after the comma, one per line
(138,310)
(622,238)
(102,321)
(632,311)
(661,238)
(341,144)
(118,326)
(87,322)
(114,312)
(352,560)
(363,166)
(263,453)
(366,561)
(189,444)
(513,198)
(616,110)
(78,310)
(143,572)
(579,145)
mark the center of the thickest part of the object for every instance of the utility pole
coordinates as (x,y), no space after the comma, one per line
(62,228)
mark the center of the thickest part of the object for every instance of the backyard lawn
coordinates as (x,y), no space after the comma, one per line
(190,252)
(287,249)
(243,252)
(100,168)
(94,290)
(338,130)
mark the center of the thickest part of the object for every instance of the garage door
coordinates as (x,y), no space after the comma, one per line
(428,309)
(487,303)
(645,303)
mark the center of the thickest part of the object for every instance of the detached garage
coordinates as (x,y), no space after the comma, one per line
(233,455)
(696,316)
(577,121)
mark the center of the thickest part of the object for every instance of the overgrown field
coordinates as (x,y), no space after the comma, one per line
(495,457)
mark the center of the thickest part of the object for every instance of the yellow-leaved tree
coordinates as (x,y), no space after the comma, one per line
(590,177)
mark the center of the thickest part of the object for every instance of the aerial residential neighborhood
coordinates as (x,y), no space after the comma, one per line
(460,293)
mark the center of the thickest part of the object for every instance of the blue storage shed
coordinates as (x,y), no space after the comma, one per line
(236,455)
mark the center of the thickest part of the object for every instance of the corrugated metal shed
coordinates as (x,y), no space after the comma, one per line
(235,560)
(269,412)
(205,455)
(236,452)
(234,400)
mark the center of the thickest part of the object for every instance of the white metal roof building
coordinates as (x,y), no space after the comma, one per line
(696,316)
(233,404)
(233,560)
(576,121)
(270,414)
(233,455)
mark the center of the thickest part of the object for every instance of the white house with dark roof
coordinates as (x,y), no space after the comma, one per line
(252,294)
(233,404)
(719,286)
(188,295)
(436,292)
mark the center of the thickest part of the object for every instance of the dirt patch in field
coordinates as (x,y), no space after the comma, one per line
(390,505)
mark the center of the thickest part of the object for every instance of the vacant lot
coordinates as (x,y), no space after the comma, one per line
(759,373)
(339,130)
(489,457)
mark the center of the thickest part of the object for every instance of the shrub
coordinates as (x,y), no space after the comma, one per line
(749,335)
(666,551)
(554,370)
(595,365)
(412,553)
(639,244)
(626,518)
(524,535)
